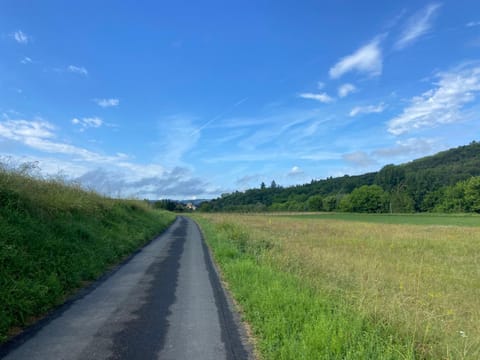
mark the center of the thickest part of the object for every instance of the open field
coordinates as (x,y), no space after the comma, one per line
(54,238)
(322,288)
(400,219)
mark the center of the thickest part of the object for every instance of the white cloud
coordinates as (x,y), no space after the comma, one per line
(359,158)
(177,135)
(369,109)
(367,59)
(440,105)
(85,123)
(323,97)
(26,60)
(295,172)
(20,37)
(113,175)
(320,85)
(472,23)
(411,146)
(346,89)
(107,102)
(417,25)
(77,70)
(21,129)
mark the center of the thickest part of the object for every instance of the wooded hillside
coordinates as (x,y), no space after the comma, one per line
(433,183)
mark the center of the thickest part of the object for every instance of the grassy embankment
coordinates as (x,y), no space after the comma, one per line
(314,288)
(55,238)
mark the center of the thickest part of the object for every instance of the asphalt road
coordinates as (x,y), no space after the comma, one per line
(166,302)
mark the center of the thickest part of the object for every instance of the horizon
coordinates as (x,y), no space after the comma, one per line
(190,101)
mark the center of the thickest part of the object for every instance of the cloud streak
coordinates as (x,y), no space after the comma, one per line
(369,109)
(85,123)
(346,89)
(440,105)
(322,97)
(77,70)
(105,103)
(418,25)
(365,60)
(20,37)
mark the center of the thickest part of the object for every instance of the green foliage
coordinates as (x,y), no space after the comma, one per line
(165,204)
(472,194)
(57,236)
(390,177)
(315,203)
(369,199)
(462,197)
(413,187)
(330,203)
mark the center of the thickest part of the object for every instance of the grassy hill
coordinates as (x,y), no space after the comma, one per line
(409,187)
(54,238)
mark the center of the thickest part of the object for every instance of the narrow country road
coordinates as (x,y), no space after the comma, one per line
(166,302)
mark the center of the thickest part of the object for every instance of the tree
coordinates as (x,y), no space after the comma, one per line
(472,194)
(262,186)
(369,199)
(273,185)
(315,203)
(390,176)
(330,203)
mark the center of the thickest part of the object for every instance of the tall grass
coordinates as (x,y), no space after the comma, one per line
(418,285)
(54,237)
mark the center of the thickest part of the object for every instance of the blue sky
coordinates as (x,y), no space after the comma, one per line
(190,99)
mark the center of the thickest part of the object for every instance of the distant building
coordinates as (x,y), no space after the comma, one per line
(190,206)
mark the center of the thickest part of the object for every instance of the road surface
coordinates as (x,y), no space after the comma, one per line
(166,302)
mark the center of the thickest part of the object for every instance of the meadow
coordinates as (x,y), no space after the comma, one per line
(56,237)
(353,286)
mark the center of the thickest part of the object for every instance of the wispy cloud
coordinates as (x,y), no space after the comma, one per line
(369,109)
(39,135)
(107,102)
(366,60)
(346,89)
(219,116)
(77,70)
(359,158)
(408,147)
(440,105)
(20,37)
(322,97)
(472,24)
(295,171)
(26,60)
(417,25)
(113,175)
(176,183)
(177,135)
(85,123)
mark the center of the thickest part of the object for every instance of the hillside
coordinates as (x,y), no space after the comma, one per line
(56,237)
(408,187)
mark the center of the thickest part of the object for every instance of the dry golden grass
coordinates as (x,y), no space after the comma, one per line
(422,280)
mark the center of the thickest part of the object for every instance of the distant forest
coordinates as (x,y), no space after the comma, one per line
(446,182)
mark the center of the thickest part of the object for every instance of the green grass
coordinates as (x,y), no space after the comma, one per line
(419,283)
(412,219)
(290,318)
(55,238)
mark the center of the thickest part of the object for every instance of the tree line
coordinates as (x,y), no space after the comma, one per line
(446,182)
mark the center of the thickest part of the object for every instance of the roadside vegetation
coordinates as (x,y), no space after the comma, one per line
(324,288)
(57,237)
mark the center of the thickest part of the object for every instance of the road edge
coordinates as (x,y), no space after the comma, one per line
(229,311)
